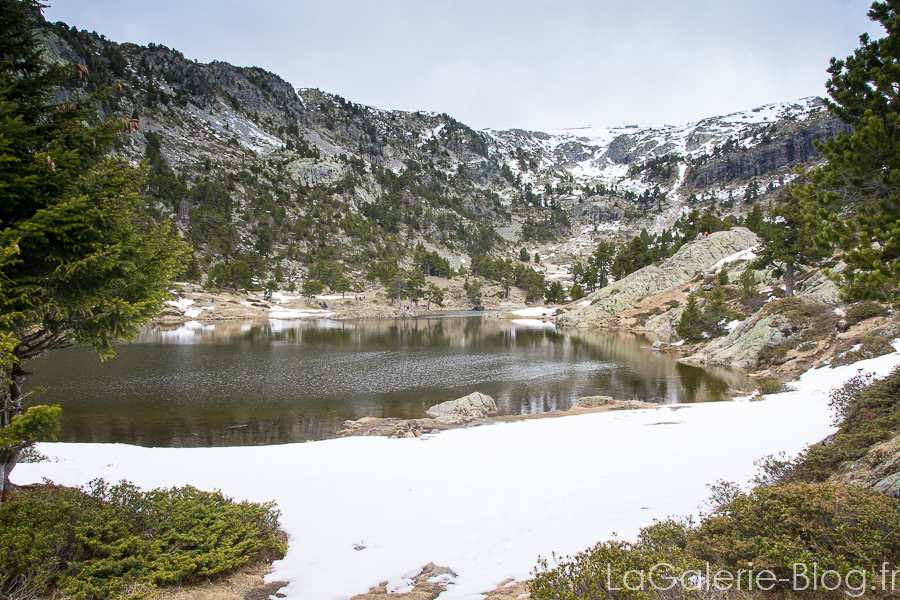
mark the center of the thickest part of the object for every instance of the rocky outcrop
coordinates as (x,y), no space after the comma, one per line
(879,468)
(788,329)
(574,152)
(693,258)
(431,581)
(393,428)
(476,407)
(311,171)
(664,324)
(787,150)
(620,150)
(742,347)
(468,408)
(611,403)
(592,401)
(820,288)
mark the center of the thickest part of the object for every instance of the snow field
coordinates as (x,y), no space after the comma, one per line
(484,501)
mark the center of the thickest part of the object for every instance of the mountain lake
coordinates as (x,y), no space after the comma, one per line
(234,383)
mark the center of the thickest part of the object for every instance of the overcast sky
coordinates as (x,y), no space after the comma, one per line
(532,64)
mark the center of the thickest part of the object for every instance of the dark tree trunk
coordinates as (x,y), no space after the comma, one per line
(11,407)
(789,278)
(8,460)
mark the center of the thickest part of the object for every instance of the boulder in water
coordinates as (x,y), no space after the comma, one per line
(468,408)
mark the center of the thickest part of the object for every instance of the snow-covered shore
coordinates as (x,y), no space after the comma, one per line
(485,501)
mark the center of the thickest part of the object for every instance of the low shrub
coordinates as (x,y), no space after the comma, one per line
(620,570)
(805,322)
(841,399)
(868,347)
(117,541)
(771,385)
(774,355)
(798,311)
(795,518)
(865,310)
(847,529)
(871,415)
(837,527)
(773,468)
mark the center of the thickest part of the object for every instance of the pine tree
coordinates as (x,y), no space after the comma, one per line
(690,326)
(632,256)
(748,285)
(859,187)
(555,293)
(601,265)
(341,284)
(722,276)
(790,235)
(473,292)
(576,292)
(81,261)
(715,312)
(434,294)
(415,286)
(755,219)
(866,82)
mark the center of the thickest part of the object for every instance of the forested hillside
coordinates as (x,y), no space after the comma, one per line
(280,187)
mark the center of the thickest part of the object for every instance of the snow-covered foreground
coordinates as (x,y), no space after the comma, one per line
(485,501)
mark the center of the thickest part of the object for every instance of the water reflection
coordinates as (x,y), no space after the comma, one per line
(247,383)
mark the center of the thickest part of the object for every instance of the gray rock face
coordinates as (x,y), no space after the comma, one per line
(664,324)
(879,468)
(741,347)
(820,287)
(310,171)
(619,150)
(890,485)
(768,158)
(613,404)
(592,401)
(474,406)
(693,258)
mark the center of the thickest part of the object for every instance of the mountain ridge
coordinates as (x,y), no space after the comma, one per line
(310,176)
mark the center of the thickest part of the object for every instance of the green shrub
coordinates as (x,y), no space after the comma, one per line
(119,542)
(834,526)
(793,518)
(865,310)
(774,354)
(841,399)
(722,277)
(771,385)
(620,570)
(871,416)
(869,347)
(806,322)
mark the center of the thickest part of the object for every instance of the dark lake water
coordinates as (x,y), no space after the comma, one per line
(273,382)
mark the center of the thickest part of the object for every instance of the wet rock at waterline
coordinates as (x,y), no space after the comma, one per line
(468,408)
(446,415)
(610,403)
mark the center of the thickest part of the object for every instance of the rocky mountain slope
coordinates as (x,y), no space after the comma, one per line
(252,169)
